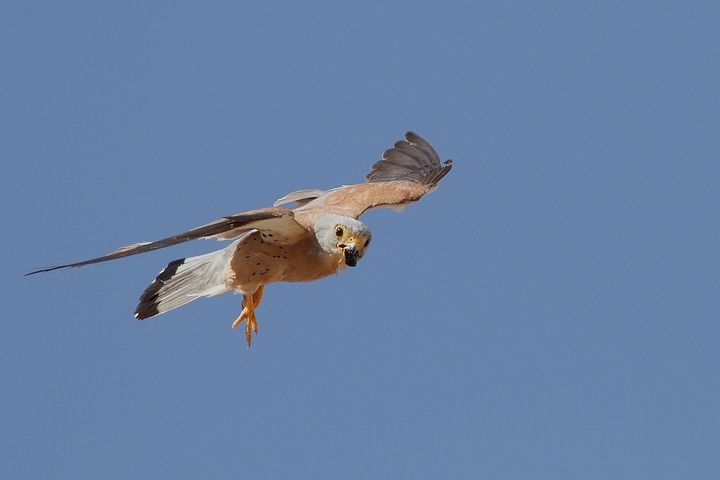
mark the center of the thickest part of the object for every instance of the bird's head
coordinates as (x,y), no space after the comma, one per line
(338,234)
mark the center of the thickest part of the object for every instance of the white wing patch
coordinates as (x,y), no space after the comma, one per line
(301,197)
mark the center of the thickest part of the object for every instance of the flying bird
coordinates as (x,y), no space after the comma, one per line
(317,237)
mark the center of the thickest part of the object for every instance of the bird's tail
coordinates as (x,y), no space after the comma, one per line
(185,280)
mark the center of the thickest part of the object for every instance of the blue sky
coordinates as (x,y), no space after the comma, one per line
(551,311)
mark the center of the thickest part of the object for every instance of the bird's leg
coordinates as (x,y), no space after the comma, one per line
(250,303)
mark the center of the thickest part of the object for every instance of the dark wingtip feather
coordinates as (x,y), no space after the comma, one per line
(49,269)
(412,160)
(148,306)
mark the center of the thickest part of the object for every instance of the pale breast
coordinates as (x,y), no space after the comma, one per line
(259,260)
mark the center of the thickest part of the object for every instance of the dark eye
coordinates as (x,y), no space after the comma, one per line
(339,231)
(367,242)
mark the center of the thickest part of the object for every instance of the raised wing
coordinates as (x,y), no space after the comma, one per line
(413,160)
(276,221)
(407,172)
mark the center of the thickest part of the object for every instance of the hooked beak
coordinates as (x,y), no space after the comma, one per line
(351,253)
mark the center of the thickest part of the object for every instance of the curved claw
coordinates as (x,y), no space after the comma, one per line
(250,303)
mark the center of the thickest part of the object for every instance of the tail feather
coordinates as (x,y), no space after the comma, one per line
(185,280)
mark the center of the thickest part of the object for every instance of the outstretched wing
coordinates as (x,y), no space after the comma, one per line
(407,172)
(279,222)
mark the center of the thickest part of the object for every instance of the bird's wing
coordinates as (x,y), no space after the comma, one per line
(407,172)
(279,222)
(300,197)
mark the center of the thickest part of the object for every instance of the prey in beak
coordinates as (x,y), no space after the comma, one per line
(351,252)
(351,255)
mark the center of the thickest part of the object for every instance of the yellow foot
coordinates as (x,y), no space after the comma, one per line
(250,303)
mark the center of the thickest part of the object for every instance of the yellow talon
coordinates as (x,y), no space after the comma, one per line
(250,303)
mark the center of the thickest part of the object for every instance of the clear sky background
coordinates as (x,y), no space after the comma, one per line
(551,311)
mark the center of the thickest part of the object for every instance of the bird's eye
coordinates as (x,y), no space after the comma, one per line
(367,242)
(339,231)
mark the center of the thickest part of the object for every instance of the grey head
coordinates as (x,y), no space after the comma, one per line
(338,234)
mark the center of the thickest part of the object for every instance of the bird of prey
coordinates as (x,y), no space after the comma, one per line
(317,237)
